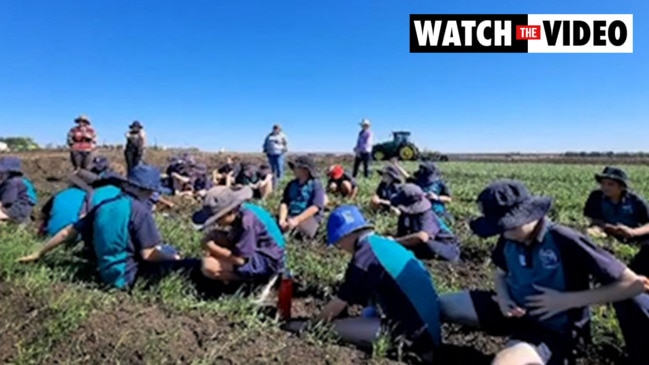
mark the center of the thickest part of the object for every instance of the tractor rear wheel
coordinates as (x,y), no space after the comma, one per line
(407,153)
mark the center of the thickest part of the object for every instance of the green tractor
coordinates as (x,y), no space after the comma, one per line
(400,146)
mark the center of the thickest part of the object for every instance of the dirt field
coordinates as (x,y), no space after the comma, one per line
(52,312)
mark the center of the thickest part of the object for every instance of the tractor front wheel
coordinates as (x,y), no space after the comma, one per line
(378,155)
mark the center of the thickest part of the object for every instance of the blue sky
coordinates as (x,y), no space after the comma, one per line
(218,73)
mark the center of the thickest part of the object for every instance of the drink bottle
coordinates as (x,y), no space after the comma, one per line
(285,296)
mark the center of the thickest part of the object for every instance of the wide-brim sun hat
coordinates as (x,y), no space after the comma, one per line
(615,174)
(136,125)
(219,201)
(82,118)
(365,122)
(305,162)
(391,171)
(343,221)
(506,205)
(144,177)
(10,164)
(411,199)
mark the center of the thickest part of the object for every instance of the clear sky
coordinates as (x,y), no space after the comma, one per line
(218,73)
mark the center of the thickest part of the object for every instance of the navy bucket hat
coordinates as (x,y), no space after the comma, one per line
(144,177)
(507,204)
(100,164)
(344,220)
(613,173)
(305,162)
(411,199)
(390,171)
(10,164)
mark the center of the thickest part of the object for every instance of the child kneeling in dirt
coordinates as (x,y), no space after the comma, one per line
(17,194)
(381,270)
(242,242)
(617,211)
(303,201)
(341,183)
(123,235)
(390,180)
(429,179)
(420,229)
(542,280)
(259,179)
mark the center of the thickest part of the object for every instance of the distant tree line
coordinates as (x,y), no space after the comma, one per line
(605,154)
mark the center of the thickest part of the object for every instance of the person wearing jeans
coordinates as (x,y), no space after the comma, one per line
(275,146)
(363,149)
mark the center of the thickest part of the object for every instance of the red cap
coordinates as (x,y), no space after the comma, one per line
(336,172)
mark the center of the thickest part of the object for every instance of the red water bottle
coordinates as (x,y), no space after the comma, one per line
(285,296)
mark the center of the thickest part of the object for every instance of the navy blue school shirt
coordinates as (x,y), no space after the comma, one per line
(251,237)
(632,210)
(345,177)
(386,190)
(559,258)
(14,197)
(427,222)
(302,196)
(229,167)
(142,229)
(366,279)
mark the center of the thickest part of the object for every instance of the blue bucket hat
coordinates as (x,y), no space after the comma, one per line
(411,199)
(10,164)
(144,177)
(507,204)
(344,220)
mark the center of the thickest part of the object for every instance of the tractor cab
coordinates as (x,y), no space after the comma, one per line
(401,137)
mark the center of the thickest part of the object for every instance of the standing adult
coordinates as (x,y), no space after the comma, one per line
(363,149)
(82,141)
(135,144)
(275,146)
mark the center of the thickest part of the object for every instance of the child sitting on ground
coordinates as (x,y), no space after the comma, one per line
(615,210)
(390,181)
(239,245)
(542,280)
(227,172)
(17,194)
(303,200)
(258,178)
(428,177)
(420,229)
(341,183)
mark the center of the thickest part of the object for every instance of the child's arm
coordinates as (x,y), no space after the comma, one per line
(64,235)
(222,253)
(627,286)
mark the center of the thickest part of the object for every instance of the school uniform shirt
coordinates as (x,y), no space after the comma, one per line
(427,222)
(142,233)
(438,187)
(228,168)
(559,258)
(250,175)
(252,238)
(404,297)
(15,198)
(632,210)
(298,197)
(386,191)
(345,177)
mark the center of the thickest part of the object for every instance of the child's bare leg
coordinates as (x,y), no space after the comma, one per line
(216,269)
(3,215)
(266,189)
(346,188)
(518,352)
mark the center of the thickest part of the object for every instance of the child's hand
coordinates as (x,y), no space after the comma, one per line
(291,223)
(548,303)
(508,308)
(433,196)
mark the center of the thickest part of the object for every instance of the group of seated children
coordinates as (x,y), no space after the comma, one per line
(544,272)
